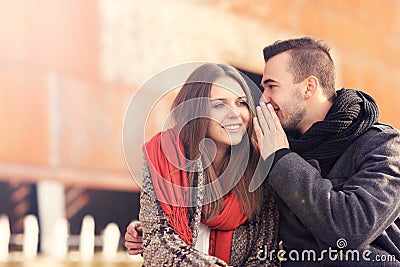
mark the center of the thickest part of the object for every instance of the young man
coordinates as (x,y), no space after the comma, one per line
(338,176)
(335,169)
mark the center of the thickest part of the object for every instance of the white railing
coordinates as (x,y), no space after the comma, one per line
(106,245)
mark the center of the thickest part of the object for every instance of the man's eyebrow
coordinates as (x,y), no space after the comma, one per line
(264,82)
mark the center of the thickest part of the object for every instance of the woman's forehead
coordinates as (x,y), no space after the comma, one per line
(226,86)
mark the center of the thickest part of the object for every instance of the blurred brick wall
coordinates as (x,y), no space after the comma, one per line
(363,33)
(68,68)
(59,118)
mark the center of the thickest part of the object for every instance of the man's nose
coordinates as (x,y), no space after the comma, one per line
(265,98)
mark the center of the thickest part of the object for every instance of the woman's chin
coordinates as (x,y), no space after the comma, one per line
(236,141)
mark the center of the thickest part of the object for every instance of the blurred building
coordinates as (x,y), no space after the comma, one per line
(68,69)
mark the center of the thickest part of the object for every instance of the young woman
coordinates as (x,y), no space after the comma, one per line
(196,208)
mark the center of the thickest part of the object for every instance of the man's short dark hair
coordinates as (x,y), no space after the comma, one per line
(308,57)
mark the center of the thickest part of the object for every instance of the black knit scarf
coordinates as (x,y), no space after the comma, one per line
(352,114)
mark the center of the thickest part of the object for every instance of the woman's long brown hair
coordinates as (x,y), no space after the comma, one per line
(193,122)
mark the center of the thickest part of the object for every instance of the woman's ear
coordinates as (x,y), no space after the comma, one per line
(312,85)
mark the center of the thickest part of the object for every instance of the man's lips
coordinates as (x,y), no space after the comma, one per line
(276,109)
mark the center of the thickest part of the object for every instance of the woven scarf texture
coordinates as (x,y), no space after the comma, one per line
(352,114)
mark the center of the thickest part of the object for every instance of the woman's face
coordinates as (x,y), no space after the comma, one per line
(229,114)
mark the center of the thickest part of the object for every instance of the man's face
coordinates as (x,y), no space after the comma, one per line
(286,97)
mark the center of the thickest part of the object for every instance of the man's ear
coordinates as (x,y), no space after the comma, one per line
(312,84)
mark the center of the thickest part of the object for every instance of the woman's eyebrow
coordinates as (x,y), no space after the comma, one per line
(221,98)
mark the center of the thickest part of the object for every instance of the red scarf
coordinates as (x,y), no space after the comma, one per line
(222,227)
(162,148)
(171,187)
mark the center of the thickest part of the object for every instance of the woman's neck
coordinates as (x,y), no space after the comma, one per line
(218,160)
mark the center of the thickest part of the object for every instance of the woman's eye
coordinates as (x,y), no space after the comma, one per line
(242,103)
(218,105)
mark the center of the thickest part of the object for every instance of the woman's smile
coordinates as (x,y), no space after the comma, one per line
(233,128)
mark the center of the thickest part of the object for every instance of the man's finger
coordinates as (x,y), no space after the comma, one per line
(133,245)
(134,225)
(135,251)
(128,237)
(131,238)
(134,229)
(268,116)
(277,122)
(262,121)
(259,133)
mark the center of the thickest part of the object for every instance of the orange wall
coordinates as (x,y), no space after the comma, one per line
(57,110)
(364,34)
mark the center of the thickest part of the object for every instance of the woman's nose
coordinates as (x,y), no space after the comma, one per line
(233,112)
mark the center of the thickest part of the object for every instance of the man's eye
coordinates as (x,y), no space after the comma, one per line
(271,86)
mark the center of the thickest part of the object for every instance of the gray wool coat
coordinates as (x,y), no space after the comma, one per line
(349,218)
